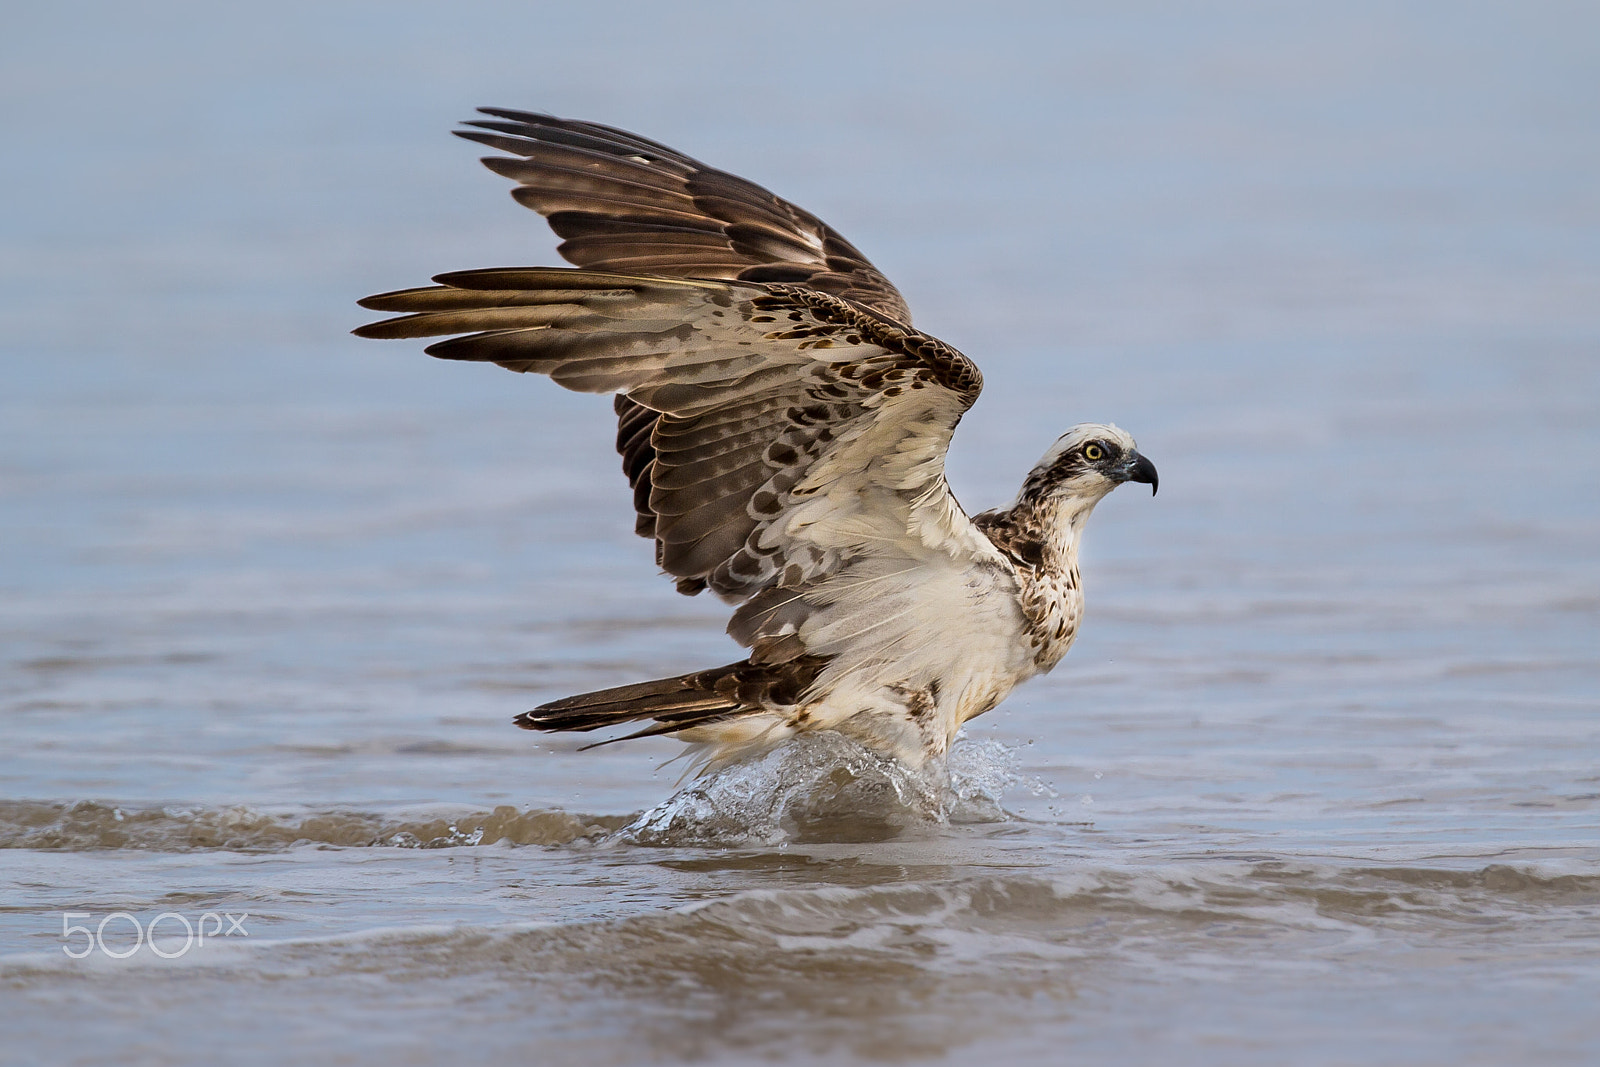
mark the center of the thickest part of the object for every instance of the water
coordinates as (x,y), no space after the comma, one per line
(1319,784)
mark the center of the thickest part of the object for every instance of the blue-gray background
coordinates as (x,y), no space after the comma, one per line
(1337,266)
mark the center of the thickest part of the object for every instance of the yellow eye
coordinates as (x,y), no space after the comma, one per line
(1093,451)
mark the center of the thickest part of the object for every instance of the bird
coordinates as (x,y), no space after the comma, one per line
(783,428)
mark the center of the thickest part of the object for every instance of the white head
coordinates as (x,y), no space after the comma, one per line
(1085,464)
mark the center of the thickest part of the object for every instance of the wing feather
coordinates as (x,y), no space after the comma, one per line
(589,180)
(744,410)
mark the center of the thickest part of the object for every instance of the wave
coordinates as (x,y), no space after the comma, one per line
(93,825)
(818,788)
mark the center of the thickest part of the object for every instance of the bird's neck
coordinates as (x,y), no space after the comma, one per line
(1040,533)
(1040,530)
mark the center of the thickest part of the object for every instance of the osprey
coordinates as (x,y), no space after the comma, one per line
(783,428)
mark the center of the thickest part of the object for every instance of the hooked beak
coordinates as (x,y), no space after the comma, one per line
(1142,470)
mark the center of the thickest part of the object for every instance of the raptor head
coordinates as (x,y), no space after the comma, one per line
(1087,462)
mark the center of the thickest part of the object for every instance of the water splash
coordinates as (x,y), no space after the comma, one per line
(826,787)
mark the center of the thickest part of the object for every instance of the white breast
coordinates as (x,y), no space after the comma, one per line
(917,653)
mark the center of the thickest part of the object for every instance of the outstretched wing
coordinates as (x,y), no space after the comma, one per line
(627,204)
(792,433)
(623,203)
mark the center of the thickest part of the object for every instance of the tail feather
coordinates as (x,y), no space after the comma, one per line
(683,699)
(683,702)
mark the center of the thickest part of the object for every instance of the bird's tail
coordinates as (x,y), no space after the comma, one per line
(681,703)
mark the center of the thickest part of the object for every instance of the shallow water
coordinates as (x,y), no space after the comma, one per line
(1320,782)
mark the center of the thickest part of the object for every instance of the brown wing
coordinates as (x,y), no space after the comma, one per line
(627,204)
(789,431)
